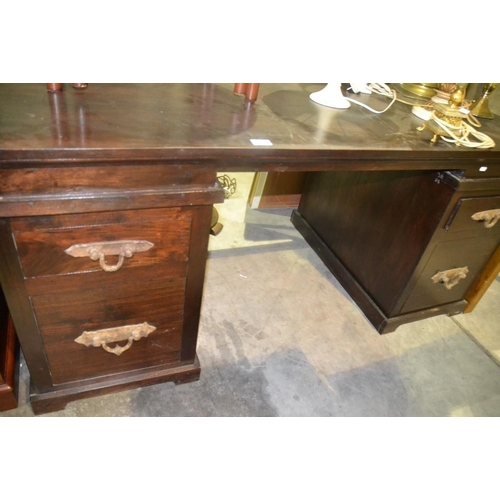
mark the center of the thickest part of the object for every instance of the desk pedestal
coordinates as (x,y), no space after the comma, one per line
(104,287)
(405,245)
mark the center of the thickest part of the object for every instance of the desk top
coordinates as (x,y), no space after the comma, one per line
(208,124)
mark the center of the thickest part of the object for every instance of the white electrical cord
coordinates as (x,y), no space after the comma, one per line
(460,135)
(457,135)
(377,88)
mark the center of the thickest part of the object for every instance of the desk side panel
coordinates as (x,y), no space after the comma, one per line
(378,224)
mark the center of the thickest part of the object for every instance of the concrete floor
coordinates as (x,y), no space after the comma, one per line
(280,337)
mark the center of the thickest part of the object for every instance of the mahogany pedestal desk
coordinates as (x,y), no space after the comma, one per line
(106,200)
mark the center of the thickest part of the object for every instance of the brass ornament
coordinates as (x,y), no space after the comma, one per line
(448,121)
(481,107)
(446,114)
(447,88)
(426,90)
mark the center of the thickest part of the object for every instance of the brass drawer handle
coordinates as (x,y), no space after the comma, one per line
(99,251)
(101,338)
(490,217)
(451,277)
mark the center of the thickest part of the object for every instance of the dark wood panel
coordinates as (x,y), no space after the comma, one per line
(282,189)
(4,318)
(378,224)
(9,359)
(473,253)
(62,178)
(65,316)
(461,219)
(198,249)
(42,241)
(381,322)
(21,310)
(63,394)
(102,200)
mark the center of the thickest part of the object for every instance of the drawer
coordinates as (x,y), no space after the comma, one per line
(472,253)
(481,214)
(63,245)
(85,330)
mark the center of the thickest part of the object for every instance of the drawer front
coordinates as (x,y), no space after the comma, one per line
(476,214)
(87,243)
(472,253)
(109,330)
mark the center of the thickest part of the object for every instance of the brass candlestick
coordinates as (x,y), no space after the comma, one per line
(481,107)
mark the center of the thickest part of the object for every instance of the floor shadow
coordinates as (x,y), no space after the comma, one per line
(448,377)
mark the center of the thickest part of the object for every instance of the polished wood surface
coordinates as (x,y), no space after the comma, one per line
(208,123)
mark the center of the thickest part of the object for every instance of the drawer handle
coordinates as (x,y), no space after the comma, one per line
(490,217)
(451,277)
(101,338)
(99,251)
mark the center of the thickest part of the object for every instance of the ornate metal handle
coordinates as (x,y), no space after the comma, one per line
(101,338)
(99,251)
(451,277)
(490,217)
